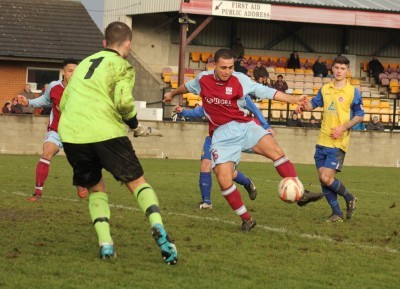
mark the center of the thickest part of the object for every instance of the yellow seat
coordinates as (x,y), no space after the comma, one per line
(289,71)
(195,57)
(205,56)
(394,89)
(366,102)
(297,91)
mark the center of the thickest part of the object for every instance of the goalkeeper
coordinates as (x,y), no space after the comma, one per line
(95,109)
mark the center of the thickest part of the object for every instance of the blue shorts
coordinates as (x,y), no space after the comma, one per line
(331,158)
(53,137)
(206,153)
(229,140)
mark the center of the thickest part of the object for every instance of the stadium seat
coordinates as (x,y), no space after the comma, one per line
(375,103)
(385,114)
(205,56)
(326,79)
(299,78)
(195,57)
(289,71)
(166,73)
(385,81)
(308,78)
(189,72)
(355,81)
(196,72)
(308,91)
(382,76)
(297,91)
(317,79)
(384,104)
(270,69)
(299,71)
(364,66)
(308,85)
(299,85)
(174,81)
(394,89)
(289,77)
(306,115)
(367,116)
(280,70)
(290,84)
(317,115)
(366,102)
(309,72)
(317,85)
(272,76)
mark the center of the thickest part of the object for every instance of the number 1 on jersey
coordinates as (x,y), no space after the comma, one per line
(95,63)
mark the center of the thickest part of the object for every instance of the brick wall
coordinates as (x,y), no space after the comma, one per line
(13,77)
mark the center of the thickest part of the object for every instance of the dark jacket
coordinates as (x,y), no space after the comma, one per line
(294,62)
(260,72)
(281,85)
(375,126)
(320,68)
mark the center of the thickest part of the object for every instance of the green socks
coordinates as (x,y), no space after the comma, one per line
(100,214)
(148,203)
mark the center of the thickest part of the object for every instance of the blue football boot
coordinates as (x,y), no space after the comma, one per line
(168,249)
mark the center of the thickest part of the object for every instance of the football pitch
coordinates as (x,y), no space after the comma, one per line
(52,243)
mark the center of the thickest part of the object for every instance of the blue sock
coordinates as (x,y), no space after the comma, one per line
(205,183)
(241,179)
(341,190)
(331,197)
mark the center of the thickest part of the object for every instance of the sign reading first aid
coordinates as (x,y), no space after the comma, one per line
(241,9)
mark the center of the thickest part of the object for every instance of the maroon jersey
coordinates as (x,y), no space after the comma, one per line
(55,95)
(224,101)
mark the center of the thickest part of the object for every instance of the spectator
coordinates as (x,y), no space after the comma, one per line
(7,107)
(375,68)
(294,60)
(237,49)
(16,107)
(280,84)
(239,67)
(27,92)
(313,123)
(260,71)
(280,63)
(374,124)
(294,121)
(264,81)
(319,68)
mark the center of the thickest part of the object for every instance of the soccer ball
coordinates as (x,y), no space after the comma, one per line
(290,190)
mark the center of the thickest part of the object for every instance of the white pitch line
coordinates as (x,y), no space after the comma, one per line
(266,228)
(318,187)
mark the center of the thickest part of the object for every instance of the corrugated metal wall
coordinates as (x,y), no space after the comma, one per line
(321,38)
(116,10)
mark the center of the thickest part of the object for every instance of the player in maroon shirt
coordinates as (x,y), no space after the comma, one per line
(52,143)
(223,92)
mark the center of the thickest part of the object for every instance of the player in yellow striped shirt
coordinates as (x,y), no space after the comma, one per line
(342,106)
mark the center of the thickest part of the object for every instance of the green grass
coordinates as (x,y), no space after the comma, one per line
(51,244)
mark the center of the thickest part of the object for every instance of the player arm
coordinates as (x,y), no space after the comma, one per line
(42,101)
(194,113)
(256,112)
(262,92)
(123,100)
(357,110)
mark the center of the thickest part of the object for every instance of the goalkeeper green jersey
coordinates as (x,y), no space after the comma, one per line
(97,99)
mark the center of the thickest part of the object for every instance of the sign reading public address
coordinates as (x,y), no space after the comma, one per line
(241,9)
